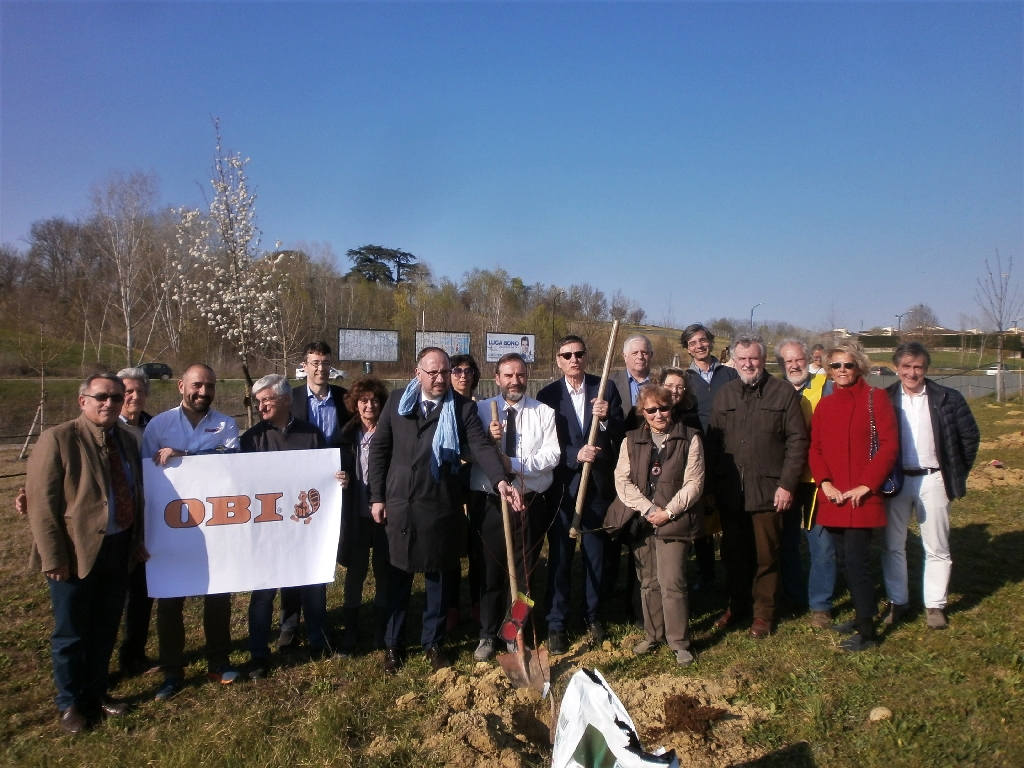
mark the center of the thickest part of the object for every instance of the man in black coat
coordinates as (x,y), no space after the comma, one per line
(938,444)
(322,404)
(574,400)
(423,434)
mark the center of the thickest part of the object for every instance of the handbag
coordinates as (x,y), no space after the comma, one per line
(894,482)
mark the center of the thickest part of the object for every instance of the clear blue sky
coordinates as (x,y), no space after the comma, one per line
(702,157)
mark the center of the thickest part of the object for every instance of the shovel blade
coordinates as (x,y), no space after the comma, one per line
(527,669)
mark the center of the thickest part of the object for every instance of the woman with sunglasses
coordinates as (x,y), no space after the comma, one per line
(660,477)
(854,445)
(465,375)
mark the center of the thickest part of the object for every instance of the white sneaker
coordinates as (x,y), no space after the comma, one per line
(485,650)
(684,658)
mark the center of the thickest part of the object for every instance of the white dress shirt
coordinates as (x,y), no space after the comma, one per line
(172,429)
(917,441)
(579,401)
(537,450)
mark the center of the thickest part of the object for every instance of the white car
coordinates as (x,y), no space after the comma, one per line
(991,370)
(300,373)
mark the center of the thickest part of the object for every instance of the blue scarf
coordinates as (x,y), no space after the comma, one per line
(446,436)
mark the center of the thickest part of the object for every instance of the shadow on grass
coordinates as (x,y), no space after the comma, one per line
(982,564)
(794,756)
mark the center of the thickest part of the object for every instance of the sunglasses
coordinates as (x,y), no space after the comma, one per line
(571,355)
(657,409)
(102,397)
(837,366)
(460,372)
(517,614)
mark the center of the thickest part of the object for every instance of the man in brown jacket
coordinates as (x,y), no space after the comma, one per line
(84,488)
(757,446)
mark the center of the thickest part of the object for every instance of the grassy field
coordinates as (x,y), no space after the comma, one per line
(955,696)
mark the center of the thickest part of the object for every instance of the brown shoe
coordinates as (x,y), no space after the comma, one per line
(895,613)
(111,707)
(392,661)
(936,618)
(72,720)
(821,619)
(760,629)
(723,621)
(436,658)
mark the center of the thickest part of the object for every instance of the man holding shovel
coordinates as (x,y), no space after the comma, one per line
(525,434)
(575,403)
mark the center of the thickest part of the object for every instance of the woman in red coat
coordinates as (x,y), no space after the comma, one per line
(849,503)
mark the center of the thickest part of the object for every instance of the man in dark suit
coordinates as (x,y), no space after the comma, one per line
(322,404)
(85,507)
(413,468)
(574,400)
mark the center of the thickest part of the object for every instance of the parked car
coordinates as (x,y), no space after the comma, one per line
(158,370)
(300,373)
(882,370)
(991,370)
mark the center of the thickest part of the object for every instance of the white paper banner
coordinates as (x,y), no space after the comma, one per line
(241,521)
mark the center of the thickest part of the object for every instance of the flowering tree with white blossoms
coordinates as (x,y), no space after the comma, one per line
(222,272)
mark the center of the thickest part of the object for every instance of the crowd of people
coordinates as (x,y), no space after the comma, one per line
(678,456)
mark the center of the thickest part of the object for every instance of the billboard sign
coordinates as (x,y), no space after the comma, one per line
(364,345)
(499,344)
(452,342)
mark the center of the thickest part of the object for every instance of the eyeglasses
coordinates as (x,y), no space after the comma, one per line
(318,363)
(439,374)
(837,366)
(571,355)
(260,402)
(696,342)
(102,397)
(462,371)
(657,409)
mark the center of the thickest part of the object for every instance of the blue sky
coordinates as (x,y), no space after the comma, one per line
(821,158)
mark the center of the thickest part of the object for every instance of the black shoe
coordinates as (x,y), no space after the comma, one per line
(858,642)
(435,658)
(597,633)
(392,661)
(72,720)
(136,667)
(257,669)
(557,645)
(846,628)
(703,584)
(111,707)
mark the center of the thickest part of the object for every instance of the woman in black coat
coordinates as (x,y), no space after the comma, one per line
(360,533)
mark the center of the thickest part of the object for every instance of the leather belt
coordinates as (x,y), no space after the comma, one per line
(920,472)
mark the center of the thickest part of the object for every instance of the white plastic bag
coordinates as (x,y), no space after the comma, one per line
(595,730)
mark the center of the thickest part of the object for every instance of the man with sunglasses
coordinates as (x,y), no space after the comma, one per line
(574,401)
(85,508)
(190,429)
(413,476)
(758,442)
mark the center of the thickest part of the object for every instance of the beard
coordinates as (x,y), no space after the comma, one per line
(749,379)
(798,379)
(513,394)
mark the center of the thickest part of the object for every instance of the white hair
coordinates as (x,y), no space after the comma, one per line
(275,382)
(637,337)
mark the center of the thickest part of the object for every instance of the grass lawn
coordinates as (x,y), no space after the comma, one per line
(955,696)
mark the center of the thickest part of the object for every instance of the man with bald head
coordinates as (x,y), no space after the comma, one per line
(191,429)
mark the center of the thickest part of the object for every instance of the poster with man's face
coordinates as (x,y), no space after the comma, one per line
(499,344)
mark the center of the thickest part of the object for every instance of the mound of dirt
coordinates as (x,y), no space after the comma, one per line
(1010,440)
(986,476)
(481,720)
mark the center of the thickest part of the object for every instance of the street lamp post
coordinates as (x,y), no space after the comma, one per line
(760,303)
(899,325)
(554,305)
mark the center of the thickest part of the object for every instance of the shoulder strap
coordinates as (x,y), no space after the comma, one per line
(871,414)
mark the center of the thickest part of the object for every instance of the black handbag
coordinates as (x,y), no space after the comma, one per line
(894,482)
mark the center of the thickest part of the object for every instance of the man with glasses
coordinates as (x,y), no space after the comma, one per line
(574,401)
(190,429)
(758,442)
(705,376)
(84,486)
(322,404)
(525,430)
(415,458)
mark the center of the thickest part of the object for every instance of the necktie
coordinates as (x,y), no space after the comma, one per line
(124,504)
(510,432)
(428,407)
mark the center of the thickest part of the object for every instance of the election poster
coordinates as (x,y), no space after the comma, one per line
(499,344)
(368,346)
(452,342)
(241,521)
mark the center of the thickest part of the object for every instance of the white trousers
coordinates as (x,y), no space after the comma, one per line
(925,496)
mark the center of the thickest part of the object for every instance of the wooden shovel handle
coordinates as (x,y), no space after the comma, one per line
(510,558)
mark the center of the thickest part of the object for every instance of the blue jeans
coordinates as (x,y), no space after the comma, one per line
(434,614)
(822,581)
(261,613)
(86,615)
(561,549)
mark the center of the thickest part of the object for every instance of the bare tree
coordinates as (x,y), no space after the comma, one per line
(920,317)
(1000,301)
